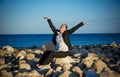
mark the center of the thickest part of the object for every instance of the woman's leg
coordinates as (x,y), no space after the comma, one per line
(44,57)
(49,55)
(60,54)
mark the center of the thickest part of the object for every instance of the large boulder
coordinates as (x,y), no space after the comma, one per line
(100,66)
(8,48)
(88,61)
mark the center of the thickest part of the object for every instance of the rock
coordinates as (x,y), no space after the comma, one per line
(114,45)
(67,67)
(90,73)
(30,56)
(24,74)
(2,61)
(63,61)
(4,73)
(100,66)
(8,48)
(21,54)
(4,66)
(22,61)
(77,71)
(34,73)
(15,53)
(109,73)
(84,52)
(77,55)
(56,74)
(49,73)
(44,69)
(43,48)
(24,66)
(2,52)
(66,74)
(88,61)
(38,51)
(58,68)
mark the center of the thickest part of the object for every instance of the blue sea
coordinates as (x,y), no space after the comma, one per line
(30,40)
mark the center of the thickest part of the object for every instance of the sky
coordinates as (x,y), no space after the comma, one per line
(26,16)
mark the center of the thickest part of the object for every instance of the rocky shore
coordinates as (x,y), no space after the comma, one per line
(85,61)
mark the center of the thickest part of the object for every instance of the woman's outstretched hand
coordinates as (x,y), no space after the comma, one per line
(46,17)
(84,22)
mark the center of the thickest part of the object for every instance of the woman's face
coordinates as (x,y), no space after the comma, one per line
(62,28)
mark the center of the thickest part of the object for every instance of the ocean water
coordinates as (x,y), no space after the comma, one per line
(30,40)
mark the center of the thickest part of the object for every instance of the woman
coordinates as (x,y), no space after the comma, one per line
(61,41)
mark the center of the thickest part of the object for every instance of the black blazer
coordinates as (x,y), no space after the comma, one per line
(65,35)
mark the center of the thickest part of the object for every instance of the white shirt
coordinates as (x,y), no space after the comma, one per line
(60,46)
